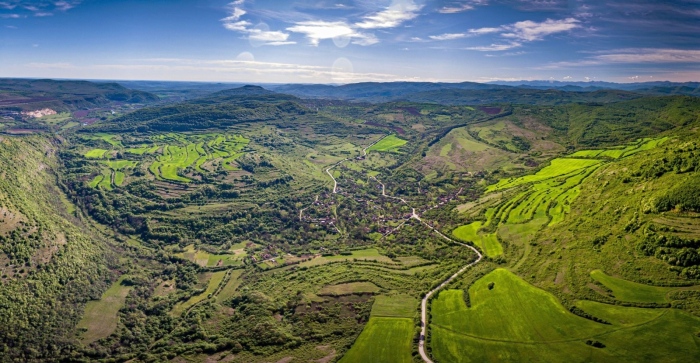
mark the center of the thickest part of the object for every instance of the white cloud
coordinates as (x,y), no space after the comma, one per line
(455,9)
(480,31)
(10,16)
(398,12)
(42,14)
(651,55)
(260,35)
(65,5)
(236,14)
(269,37)
(448,36)
(634,56)
(496,47)
(239,26)
(317,30)
(523,31)
(529,30)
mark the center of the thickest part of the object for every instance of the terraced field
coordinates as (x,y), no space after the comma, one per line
(168,157)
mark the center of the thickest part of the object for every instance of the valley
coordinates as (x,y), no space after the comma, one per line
(247,225)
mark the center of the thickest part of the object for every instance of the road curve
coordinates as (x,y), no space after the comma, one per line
(416,216)
(424,302)
(328,171)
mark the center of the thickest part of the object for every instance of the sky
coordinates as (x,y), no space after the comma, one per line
(334,41)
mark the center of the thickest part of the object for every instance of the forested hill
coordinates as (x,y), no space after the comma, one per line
(221,109)
(466,93)
(29,94)
(51,263)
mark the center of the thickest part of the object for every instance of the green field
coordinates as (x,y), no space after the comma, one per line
(100,317)
(624,290)
(395,306)
(557,167)
(383,340)
(514,321)
(214,281)
(390,143)
(230,288)
(95,153)
(487,242)
(349,288)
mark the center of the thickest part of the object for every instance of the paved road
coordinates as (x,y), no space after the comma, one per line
(424,302)
(416,216)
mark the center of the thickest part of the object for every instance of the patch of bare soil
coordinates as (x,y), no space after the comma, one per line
(331,354)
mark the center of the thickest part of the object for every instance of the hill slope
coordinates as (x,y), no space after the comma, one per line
(51,263)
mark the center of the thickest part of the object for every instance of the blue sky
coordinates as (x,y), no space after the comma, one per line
(334,41)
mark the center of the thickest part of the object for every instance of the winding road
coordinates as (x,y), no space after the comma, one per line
(328,171)
(416,216)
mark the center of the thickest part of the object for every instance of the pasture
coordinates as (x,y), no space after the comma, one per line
(100,317)
(390,143)
(624,290)
(214,279)
(395,306)
(362,287)
(383,340)
(515,321)
(487,242)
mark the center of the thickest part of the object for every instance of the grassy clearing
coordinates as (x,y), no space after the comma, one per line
(349,288)
(487,242)
(231,286)
(95,153)
(55,119)
(383,340)
(214,282)
(100,317)
(395,306)
(514,321)
(390,143)
(624,290)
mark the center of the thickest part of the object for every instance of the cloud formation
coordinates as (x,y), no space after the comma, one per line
(39,8)
(318,30)
(398,12)
(521,32)
(448,36)
(258,35)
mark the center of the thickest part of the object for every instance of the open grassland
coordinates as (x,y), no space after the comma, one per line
(349,288)
(621,151)
(100,317)
(95,153)
(390,143)
(514,321)
(230,288)
(214,281)
(395,306)
(487,242)
(383,340)
(624,290)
